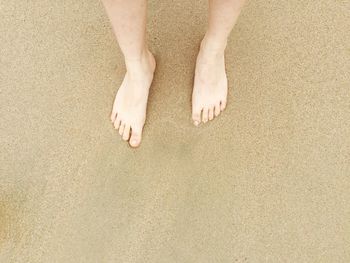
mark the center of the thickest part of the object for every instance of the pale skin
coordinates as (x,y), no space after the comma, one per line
(209,96)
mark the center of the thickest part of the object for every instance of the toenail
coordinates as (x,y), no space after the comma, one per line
(134,143)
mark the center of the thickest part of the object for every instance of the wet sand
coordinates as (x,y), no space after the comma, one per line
(267,181)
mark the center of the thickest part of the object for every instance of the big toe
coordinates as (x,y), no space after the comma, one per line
(135,138)
(196,116)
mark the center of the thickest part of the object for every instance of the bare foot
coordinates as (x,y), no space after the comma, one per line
(210,84)
(129,108)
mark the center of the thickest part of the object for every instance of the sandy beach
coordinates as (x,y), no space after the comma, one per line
(267,181)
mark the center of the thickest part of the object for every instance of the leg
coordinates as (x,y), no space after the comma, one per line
(128,19)
(210,83)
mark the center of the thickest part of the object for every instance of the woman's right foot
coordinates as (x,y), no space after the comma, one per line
(130,104)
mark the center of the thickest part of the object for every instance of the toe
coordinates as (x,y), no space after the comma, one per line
(121,128)
(196,116)
(205,115)
(217,109)
(114,113)
(126,133)
(135,138)
(223,105)
(117,122)
(211,113)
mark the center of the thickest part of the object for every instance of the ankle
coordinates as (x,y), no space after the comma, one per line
(140,62)
(213,46)
(136,58)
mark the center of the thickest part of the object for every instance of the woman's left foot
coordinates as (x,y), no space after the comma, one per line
(210,84)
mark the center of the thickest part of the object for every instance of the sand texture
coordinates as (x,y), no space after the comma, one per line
(268,181)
